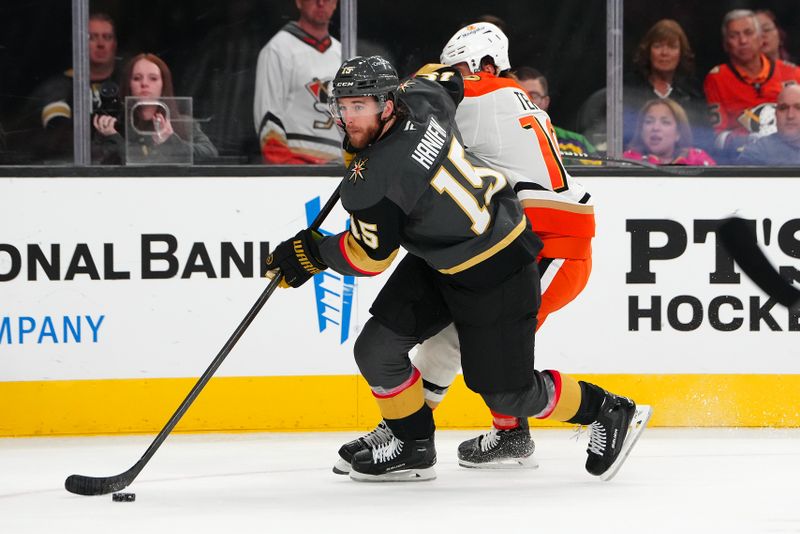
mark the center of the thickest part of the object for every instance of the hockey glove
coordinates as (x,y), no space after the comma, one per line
(297,259)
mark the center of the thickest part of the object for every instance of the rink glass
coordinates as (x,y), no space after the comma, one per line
(212,49)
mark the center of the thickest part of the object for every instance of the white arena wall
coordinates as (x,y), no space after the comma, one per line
(116,294)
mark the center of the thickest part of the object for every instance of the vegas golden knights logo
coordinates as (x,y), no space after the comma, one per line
(357,170)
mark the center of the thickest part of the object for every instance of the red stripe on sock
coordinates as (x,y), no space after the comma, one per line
(415,375)
(504,422)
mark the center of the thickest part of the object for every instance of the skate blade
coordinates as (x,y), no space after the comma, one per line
(406,475)
(640,419)
(507,463)
(341,467)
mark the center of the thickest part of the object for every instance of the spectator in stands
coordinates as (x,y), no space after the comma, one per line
(663,67)
(146,75)
(535,84)
(774,36)
(782,147)
(290,108)
(54,97)
(741,92)
(663,136)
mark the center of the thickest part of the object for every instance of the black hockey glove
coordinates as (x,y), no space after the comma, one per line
(297,258)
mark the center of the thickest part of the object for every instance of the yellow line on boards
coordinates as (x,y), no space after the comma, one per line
(344,402)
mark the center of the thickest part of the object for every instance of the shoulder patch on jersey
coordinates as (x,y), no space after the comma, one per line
(715,69)
(759,120)
(357,170)
(404,85)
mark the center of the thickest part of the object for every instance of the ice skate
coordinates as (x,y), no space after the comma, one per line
(380,435)
(613,435)
(499,449)
(396,461)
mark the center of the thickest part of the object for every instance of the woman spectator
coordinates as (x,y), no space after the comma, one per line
(160,137)
(663,136)
(664,68)
(774,36)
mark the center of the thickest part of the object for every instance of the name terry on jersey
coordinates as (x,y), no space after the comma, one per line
(431,144)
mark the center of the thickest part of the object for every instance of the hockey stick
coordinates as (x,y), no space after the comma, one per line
(85,485)
(677,170)
(739,240)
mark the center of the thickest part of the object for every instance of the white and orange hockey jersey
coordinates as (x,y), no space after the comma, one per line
(290,109)
(559,208)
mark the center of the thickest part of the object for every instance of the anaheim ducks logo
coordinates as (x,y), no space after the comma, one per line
(759,120)
(320,90)
(357,170)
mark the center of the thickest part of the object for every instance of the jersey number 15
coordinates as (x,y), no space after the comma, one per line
(445,182)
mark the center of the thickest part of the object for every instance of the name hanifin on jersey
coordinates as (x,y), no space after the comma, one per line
(432,142)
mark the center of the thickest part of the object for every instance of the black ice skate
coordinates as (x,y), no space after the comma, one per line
(396,461)
(613,434)
(380,435)
(499,449)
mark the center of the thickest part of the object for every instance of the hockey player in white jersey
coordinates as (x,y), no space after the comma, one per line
(502,126)
(290,109)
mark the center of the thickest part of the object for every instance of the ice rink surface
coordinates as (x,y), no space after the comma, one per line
(685,481)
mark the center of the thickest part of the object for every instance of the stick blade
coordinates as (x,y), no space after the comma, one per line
(83,485)
(739,239)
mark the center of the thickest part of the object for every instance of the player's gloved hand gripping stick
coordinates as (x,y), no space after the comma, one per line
(85,485)
(296,259)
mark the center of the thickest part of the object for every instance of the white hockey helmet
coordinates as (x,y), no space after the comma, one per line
(472,43)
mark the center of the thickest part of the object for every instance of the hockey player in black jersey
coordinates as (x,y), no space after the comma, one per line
(470,262)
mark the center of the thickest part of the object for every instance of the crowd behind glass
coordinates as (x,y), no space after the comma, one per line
(262,98)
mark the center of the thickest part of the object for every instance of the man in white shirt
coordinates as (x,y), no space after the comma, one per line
(290,109)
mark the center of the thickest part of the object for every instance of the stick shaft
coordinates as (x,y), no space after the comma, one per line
(100,485)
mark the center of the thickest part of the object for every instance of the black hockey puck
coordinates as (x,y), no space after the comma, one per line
(123,497)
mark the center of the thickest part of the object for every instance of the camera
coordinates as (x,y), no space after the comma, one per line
(110,102)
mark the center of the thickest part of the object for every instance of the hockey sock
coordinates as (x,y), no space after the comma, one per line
(434,393)
(504,422)
(565,396)
(418,425)
(403,400)
(591,400)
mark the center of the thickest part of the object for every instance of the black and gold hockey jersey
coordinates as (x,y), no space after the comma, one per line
(418,188)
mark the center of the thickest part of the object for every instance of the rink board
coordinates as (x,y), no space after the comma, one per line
(114,290)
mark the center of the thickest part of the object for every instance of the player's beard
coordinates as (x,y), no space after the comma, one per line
(365,136)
